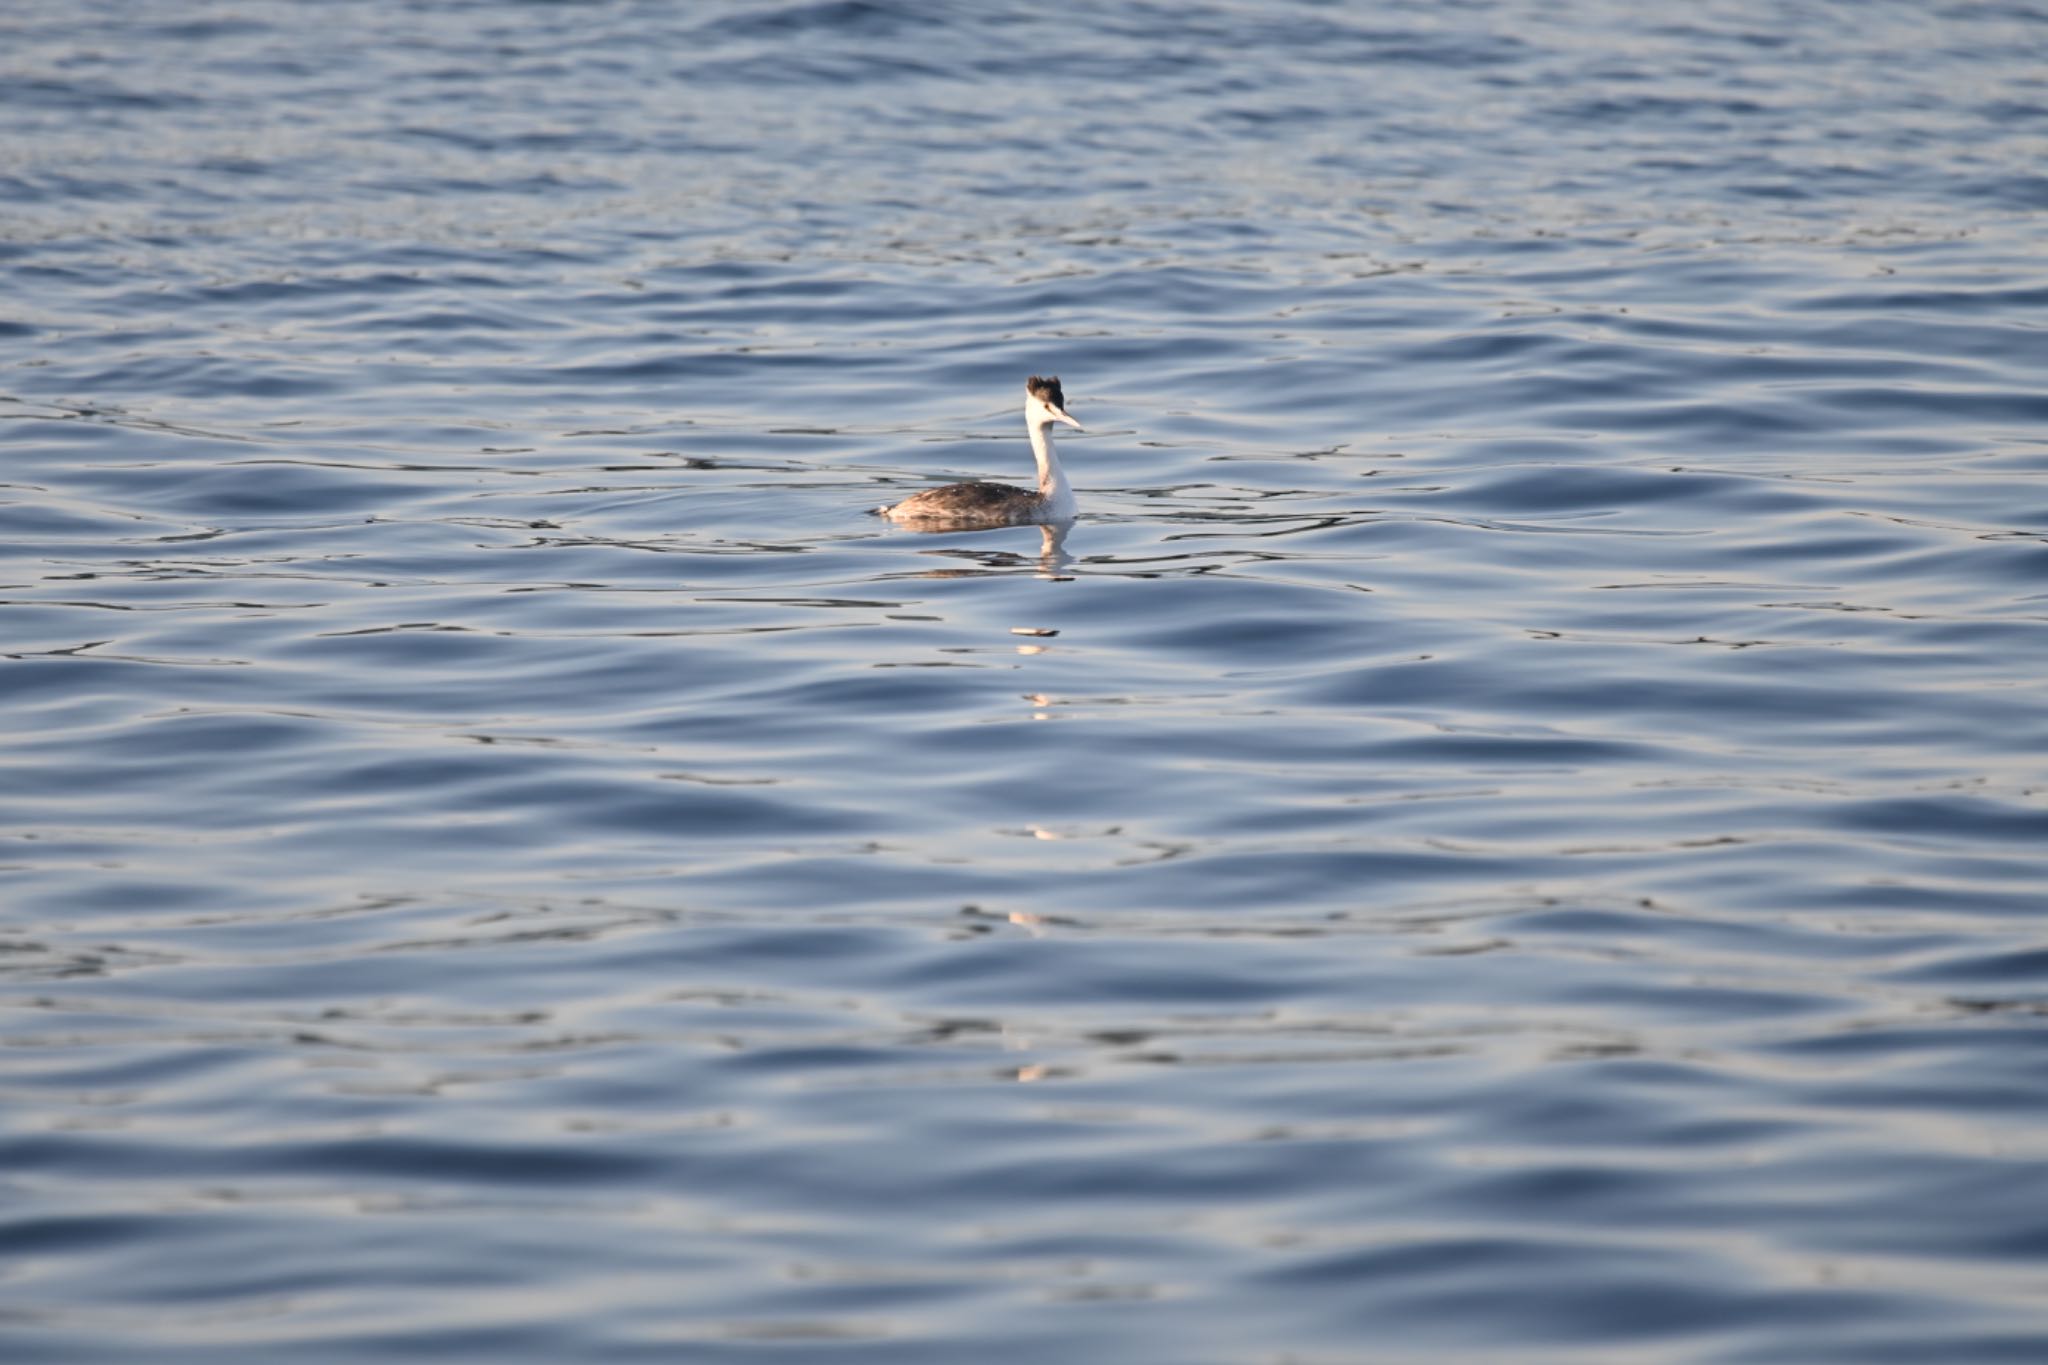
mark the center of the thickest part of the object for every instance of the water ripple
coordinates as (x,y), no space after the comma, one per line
(1511,823)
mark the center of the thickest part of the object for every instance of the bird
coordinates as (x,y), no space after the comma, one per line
(977,504)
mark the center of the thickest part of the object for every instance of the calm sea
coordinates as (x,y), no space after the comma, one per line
(1514,826)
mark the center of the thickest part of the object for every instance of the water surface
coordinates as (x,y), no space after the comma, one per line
(1513,824)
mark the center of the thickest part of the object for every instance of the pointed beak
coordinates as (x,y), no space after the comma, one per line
(1060,413)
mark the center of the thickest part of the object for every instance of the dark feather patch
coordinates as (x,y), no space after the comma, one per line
(962,501)
(1047,388)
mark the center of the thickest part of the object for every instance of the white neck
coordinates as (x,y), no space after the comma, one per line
(1052,480)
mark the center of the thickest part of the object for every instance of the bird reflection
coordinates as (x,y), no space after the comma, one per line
(1052,551)
(1052,564)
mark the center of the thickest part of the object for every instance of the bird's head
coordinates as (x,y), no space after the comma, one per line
(1044,404)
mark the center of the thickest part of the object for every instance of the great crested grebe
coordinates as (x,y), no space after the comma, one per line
(968,505)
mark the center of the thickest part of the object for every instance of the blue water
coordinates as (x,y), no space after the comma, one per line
(1518,828)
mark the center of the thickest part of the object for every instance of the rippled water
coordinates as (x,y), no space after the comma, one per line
(1512,827)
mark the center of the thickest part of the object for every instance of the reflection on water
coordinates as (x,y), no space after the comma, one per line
(1052,562)
(1518,830)
(1052,551)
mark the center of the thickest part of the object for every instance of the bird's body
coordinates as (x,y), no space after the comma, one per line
(978,504)
(997,504)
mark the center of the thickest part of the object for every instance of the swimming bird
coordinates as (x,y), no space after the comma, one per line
(966,506)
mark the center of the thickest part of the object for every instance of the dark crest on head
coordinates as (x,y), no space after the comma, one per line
(1047,388)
